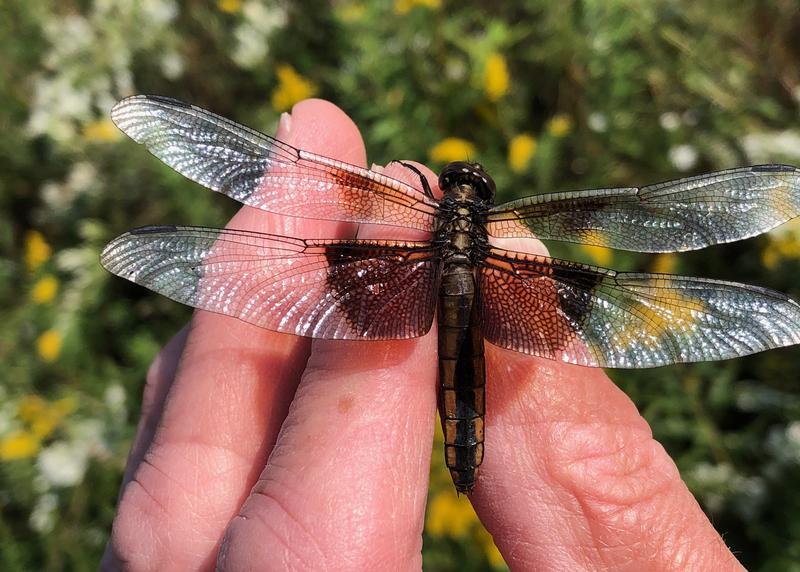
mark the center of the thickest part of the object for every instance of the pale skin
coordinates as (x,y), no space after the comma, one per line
(265,451)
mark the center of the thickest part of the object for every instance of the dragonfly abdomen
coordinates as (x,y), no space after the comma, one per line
(462,376)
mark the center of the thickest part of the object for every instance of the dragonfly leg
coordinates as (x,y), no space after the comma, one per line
(425,186)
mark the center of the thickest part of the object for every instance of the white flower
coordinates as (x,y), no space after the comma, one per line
(88,62)
(670,120)
(82,179)
(42,517)
(764,147)
(251,46)
(57,103)
(89,434)
(69,36)
(264,18)
(55,195)
(455,69)
(63,464)
(784,444)
(159,12)
(172,65)
(115,397)
(252,35)
(683,157)
(597,121)
(713,475)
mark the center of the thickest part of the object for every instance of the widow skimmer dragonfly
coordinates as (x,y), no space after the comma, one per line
(392,289)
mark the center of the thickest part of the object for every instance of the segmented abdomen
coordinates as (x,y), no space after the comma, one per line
(462,375)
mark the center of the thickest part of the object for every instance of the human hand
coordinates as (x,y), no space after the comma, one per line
(258,450)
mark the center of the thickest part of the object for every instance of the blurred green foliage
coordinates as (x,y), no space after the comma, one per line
(548,95)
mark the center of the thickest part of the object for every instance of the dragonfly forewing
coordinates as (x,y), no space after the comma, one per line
(264,172)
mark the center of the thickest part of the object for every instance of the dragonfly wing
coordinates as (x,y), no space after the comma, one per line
(686,214)
(333,289)
(597,317)
(263,172)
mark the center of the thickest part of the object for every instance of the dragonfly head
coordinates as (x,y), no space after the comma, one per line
(464,173)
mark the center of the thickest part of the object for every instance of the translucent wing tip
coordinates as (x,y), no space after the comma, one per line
(112,257)
(146,100)
(109,258)
(129,113)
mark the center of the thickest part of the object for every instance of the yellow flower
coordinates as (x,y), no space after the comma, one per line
(350,12)
(37,251)
(784,242)
(600,255)
(450,515)
(229,6)
(490,549)
(665,263)
(49,345)
(292,87)
(559,125)
(496,78)
(405,6)
(30,407)
(101,131)
(45,424)
(45,289)
(18,445)
(520,152)
(451,149)
(65,405)
(43,417)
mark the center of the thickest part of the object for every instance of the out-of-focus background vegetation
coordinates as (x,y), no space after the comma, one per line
(548,95)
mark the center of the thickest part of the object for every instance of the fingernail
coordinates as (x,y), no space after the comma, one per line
(285,124)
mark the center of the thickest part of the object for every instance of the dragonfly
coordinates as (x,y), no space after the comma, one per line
(478,292)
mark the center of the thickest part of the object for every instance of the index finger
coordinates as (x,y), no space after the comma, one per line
(345,486)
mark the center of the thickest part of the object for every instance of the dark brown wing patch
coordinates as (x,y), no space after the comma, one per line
(379,285)
(525,306)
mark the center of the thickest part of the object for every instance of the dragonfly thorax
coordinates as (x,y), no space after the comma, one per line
(461,227)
